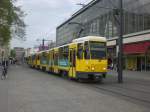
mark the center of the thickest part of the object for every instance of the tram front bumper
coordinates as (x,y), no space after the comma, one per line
(89,75)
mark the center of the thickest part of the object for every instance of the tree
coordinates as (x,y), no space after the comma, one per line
(11,21)
(13,53)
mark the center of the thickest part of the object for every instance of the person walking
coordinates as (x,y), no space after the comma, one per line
(4,66)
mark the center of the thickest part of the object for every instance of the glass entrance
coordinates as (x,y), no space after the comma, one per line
(141,63)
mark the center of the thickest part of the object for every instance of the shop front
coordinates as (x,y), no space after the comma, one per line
(148,59)
(137,56)
(111,53)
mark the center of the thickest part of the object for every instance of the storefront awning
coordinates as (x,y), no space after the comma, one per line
(136,48)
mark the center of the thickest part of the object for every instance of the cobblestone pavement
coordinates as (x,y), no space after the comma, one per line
(29,90)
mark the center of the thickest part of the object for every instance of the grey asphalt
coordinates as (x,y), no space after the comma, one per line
(29,90)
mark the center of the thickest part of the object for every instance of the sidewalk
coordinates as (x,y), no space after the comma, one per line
(145,75)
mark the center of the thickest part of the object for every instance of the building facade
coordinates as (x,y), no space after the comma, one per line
(100,18)
(20,52)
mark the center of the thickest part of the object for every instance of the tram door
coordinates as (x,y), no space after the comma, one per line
(72,63)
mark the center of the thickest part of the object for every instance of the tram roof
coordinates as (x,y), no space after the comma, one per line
(89,38)
(79,40)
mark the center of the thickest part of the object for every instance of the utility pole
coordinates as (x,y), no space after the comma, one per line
(43,43)
(120,44)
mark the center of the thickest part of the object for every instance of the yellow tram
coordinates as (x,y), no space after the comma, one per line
(84,58)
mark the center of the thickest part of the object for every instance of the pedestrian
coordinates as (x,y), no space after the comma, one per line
(4,67)
(112,66)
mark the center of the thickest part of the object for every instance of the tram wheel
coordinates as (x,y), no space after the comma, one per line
(99,80)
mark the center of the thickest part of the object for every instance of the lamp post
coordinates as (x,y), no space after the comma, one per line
(120,44)
(119,12)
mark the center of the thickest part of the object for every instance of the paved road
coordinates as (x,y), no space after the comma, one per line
(28,90)
(135,87)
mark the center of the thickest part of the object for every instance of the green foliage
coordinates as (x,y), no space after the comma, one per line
(5,33)
(13,53)
(11,21)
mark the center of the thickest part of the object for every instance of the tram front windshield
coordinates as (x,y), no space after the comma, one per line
(98,50)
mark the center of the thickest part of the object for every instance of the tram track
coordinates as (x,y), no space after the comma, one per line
(120,93)
(127,93)
(137,91)
(131,89)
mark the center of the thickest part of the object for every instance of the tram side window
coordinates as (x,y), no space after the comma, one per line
(63,56)
(60,53)
(47,58)
(56,59)
(38,58)
(33,57)
(80,51)
(66,52)
(52,59)
(86,50)
(44,58)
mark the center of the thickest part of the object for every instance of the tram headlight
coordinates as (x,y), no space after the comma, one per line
(93,68)
(104,68)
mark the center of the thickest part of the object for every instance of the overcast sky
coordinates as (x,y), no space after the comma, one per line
(43,16)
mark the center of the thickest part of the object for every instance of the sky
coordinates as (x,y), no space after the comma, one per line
(43,16)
